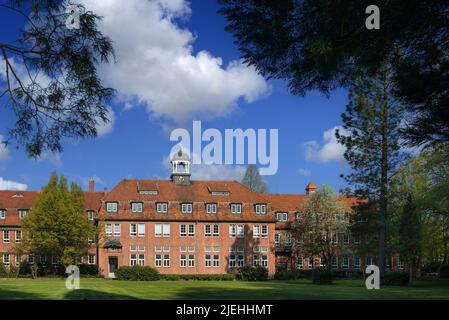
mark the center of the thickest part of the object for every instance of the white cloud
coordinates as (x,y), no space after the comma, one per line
(217,172)
(104,128)
(11,185)
(331,150)
(304,172)
(4,152)
(156,64)
(53,157)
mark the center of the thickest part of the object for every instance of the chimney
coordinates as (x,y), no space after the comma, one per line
(310,188)
(91,185)
(105,190)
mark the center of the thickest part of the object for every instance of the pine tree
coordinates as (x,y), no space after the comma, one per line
(372,120)
(253,180)
(56,225)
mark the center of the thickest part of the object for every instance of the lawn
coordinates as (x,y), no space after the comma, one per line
(114,289)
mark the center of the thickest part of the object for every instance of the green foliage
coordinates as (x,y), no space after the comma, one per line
(252,274)
(137,273)
(88,269)
(56,226)
(73,100)
(293,274)
(322,276)
(25,269)
(444,272)
(202,277)
(322,45)
(394,279)
(253,180)
(3,271)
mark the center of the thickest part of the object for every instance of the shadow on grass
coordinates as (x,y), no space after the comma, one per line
(6,294)
(88,294)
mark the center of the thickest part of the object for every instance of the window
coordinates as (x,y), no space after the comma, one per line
(137,207)
(158,260)
(191,230)
(334,262)
(216,231)
(277,239)
(111,207)
(23,213)
(357,262)
(166,261)
(211,208)
(186,208)
(261,208)
(232,261)
(216,261)
(133,259)
(161,207)
(90,215)
(108,229)
(207,260)
(369,260)
(42,259)
(232,230)
(91,259)
(282,216)
(162,230)
(191,260)
(345,238)
(334,238)
(6,259)
(18,236)
(310,263)
(2,214)
(183,230)
(264,261)
(346,262)
(18,260)
(207,230)
(183,260)
(256,260)
(240,260)
(54,260)
(240,231)
(256,231)
(400,263)
(300,263)
(236,208)
(264,231)
(133,229)
(356,239)
(322,265)
(141,259)
(6,236)
(31,258)
(117,229)
(141,230)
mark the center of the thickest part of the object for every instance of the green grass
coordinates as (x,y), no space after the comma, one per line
(301,289)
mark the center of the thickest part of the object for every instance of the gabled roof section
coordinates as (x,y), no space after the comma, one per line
(11,199)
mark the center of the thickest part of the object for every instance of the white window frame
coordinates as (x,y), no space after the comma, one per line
(256,231)
(232,230)
(6,259)
(261,209)
(208,260)
(111,207)
(91,259)
(141,230)
(161,207)
(2,214)
(240,231)
(216,230)
(166,260)
(240,260)
(133,229)
(191,230)
(158,230)
(117,229)
(345,264)
(166,230)
(18,238)
(108,229)
(23,213)
(345,238)
(6,236)
(357,262)
(282,216)
(90,215)
(216,260)
(264,231)
(300,262)
(158,260)
(186,208)
(183,230)
(208,230)
(233,260)
(191,260)
(236,208)
(137,207)
(334,262)
(211,208)
(31,258)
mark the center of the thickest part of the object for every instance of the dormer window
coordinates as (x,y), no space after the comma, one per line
(186,208)
(136,207)
(2,214)
(162,207)
(211,208)
(236,208)
(111,207)
(23,213)
(220,193)
(282,216)
(149,192)
(261,208)
(91,215)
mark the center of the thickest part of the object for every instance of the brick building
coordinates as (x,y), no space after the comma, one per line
(183,226)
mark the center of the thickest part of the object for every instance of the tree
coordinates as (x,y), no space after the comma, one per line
(371,122)
(322,223)
(50,75)
(56,225)
(410,235)
(322,45)
(253,180)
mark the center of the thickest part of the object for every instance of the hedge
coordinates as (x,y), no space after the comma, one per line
(209,277)
(322,276)
(395,279)
(137,273)
(252,274)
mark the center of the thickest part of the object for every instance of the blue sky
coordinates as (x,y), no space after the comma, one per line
(168,73)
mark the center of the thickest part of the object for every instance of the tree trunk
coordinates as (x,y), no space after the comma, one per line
(384,179)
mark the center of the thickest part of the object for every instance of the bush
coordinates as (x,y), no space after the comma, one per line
(293,274)
(13,271)
(48,270)
(252,274)
(208,277)
(3,271)
(321,276)
(137,273)
(88,269)
(444,271)
(395,279)
(25,269)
